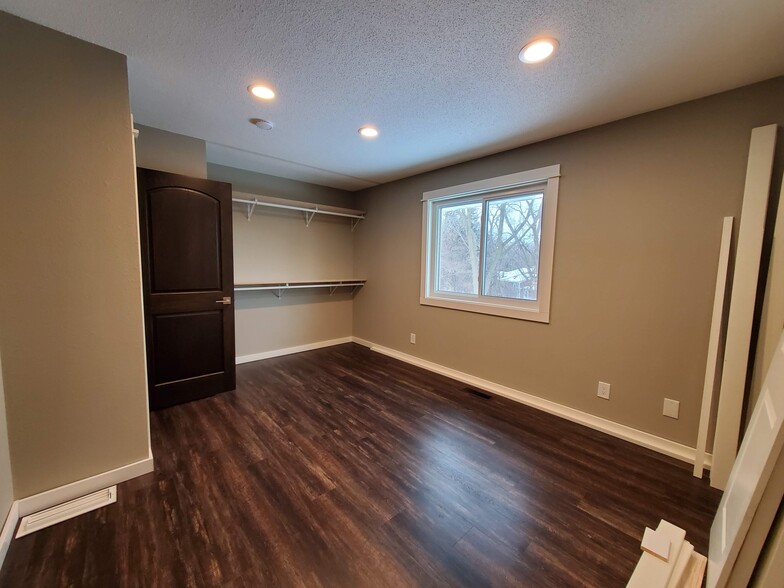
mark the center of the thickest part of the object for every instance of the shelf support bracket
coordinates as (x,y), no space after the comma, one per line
(354,223)
(332,290)
(309,217)
(278,293)
(251,207)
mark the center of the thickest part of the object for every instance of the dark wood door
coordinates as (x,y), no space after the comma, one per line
(187,271)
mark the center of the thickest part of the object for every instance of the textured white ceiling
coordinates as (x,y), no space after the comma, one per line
(440,79)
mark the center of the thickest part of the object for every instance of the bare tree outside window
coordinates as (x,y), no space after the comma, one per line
(459,233)
(513,230)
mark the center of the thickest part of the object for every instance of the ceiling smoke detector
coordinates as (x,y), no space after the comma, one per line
(264,125)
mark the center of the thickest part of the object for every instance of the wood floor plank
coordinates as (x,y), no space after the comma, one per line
(344,468)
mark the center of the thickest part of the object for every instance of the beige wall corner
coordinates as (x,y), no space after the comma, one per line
(71,331)
(170,152)
(6,478)
(640,212)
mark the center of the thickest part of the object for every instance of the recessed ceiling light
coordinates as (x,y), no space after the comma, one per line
(262,92)
(538,50)
(368,132)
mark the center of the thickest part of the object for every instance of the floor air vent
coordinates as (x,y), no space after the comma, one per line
(67,510)
(479,393)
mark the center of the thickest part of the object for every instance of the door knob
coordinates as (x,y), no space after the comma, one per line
(224,300)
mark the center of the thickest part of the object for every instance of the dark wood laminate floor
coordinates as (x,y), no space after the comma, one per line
(344,468)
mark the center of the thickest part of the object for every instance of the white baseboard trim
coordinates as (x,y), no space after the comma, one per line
(289,350)
(364,342)
(8,530)
(647,440)
(37,502)
(80,488)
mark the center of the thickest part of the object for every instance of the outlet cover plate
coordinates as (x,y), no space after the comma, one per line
(412,337)
(603,391)
(671,408)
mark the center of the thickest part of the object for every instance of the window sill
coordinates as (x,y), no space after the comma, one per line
(507,311)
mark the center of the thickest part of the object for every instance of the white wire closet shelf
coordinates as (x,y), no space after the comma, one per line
(277,288)
(309,209)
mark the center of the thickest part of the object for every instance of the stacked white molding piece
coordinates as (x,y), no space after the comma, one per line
(668,560)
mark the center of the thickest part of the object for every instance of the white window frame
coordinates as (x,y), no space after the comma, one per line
(483,190)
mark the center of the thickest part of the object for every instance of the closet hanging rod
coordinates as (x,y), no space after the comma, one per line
(315,210)
(277,288)
(286,286)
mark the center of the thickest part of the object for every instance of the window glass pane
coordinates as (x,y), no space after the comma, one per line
(458,238)
(513,230)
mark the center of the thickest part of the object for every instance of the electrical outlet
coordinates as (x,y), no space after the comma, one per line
(412,337)
(671,408)
(603,390)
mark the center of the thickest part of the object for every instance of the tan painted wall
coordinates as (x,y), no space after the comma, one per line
(265,323)
(70,304)
(277,246)
(6,478)
(170,152)
(256,183)
(639,224)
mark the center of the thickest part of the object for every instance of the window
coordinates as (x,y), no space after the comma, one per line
(488,245)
